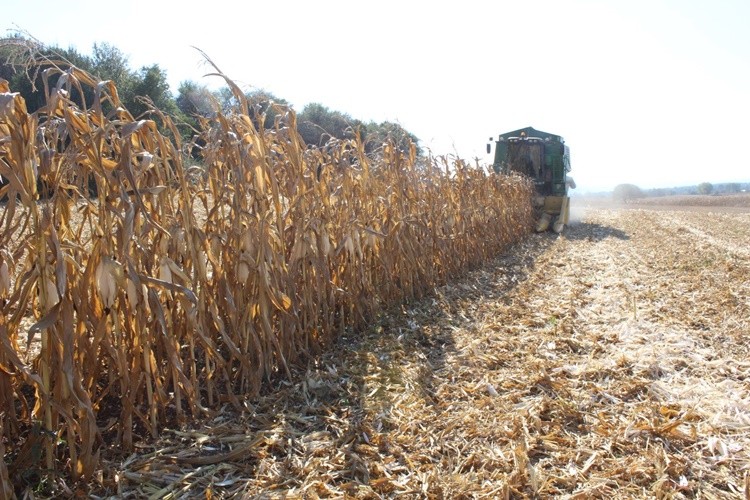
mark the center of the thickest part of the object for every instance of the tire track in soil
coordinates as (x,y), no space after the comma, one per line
(727,232)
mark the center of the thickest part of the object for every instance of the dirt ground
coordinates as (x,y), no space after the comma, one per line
(610,362)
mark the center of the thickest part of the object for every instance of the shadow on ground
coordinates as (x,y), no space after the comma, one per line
(591,231)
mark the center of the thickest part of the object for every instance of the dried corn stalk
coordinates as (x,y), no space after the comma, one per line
(169,293)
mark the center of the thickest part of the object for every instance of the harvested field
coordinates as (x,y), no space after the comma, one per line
(739,200)
(611,362)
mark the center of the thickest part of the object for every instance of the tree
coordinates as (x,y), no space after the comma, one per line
(317,124)
(377,134)
(705,188)
(623,193)
(194,99)
(151,82)
(23,62)
(733,187)
(227,100)
(262,103)
(109,63)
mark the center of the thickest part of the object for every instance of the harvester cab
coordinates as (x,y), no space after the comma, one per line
(545,159)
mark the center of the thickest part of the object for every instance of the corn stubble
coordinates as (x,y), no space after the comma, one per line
(177,289)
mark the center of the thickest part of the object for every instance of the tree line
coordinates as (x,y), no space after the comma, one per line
(23,61)
(624,193)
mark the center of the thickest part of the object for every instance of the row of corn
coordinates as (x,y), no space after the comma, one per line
(177,289)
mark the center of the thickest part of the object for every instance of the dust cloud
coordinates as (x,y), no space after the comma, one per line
(576,212)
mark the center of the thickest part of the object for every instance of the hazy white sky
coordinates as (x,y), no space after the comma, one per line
(653,92)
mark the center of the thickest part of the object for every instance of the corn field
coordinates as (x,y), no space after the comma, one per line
(178,289)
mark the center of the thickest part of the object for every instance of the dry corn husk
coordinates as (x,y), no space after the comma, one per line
(243,270)
(108,273)
(165,269)
(132,294)
(49,296)
(4,278)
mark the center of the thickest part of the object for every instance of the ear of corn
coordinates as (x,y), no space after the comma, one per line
(271,252)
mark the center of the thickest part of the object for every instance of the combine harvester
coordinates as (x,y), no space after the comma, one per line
(544,158)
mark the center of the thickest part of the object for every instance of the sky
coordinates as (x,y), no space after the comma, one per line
(650,92)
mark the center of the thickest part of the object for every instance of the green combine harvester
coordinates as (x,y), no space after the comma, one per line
(545,159)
